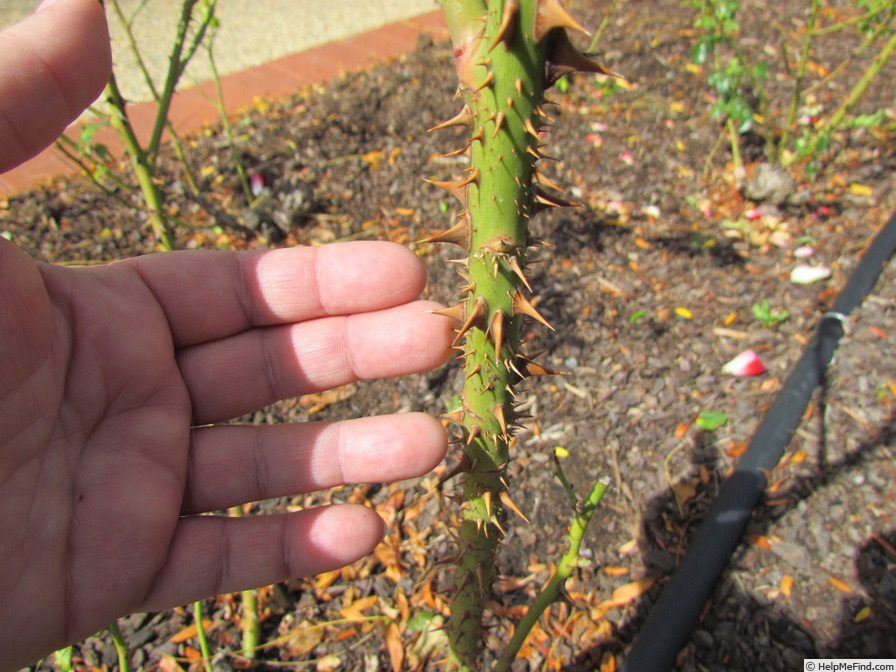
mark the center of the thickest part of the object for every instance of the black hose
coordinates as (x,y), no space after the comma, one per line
(669,624)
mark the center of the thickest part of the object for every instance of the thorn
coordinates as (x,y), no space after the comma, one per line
(476,369)
(518,84)
(550,14)
(527,124)
(478,136)
(541,178)
(508,502)
(544,201)
(510,365)
(487,502)
(464,581)
(497,331)
(462,467)
(494,521)
(533,369)
(488,81)
(563,58)
(514,265)
(457,152)
(509,21)
(459,234)
(498,412)
(454,312)
(479,576)
(509,103)
(456,416)
(521,306)
(466,288)
(463,118)
(534,152)
(499,121)
(457,187)
(475,318)
(453,187)
(474,431)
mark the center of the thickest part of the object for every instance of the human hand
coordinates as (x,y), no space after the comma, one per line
(112,375)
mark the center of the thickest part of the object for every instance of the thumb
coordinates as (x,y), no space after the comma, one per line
(53,64)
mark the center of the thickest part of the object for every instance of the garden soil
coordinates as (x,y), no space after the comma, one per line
(650,286)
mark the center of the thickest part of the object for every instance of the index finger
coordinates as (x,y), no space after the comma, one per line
(207,295)
(53,64)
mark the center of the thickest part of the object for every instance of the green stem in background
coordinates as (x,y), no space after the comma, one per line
(799,78)
(69,149)
(570,560)
(118,118)
(869,40)
(121,647)
(861,86)
(602,28)
(225,121)
(250,625)
(734,139)
(506,53)
(141,64)
(201,637)
(176,68)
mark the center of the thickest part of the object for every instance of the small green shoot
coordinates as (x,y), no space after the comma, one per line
(637,316)
(710,421)
(768,317)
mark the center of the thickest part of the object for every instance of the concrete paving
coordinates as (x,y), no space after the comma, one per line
(251,32)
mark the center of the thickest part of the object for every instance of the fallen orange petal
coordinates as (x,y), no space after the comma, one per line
(630,591)
(840,585)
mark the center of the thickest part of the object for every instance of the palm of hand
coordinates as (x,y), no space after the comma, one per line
(101,469)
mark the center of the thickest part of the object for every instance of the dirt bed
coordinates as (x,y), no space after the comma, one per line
(650,286)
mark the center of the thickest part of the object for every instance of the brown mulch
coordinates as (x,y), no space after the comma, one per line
(650,286)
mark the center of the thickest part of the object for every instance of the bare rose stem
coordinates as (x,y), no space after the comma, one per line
(506,53)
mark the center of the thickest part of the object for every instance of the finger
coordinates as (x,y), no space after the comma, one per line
(211,555)
(231,465)
(53,64)
(237,375)
(233,291)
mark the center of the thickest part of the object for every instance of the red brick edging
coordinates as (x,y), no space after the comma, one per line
(193,108)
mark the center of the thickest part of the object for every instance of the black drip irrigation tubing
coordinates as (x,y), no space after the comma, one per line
(672,618)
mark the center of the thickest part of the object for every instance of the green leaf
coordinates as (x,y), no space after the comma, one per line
(419,620)
(711,420)
(63,659)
